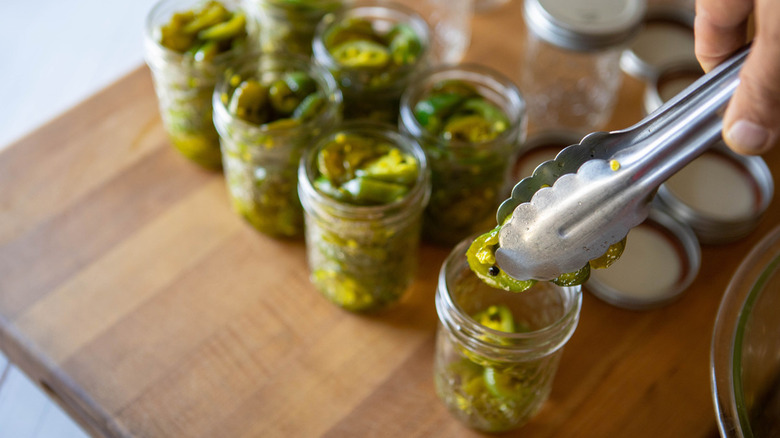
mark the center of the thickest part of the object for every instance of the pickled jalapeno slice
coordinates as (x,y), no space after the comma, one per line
(481,257)
(281,103)
(357,43)
(363,171)
(204,32)
(455,111)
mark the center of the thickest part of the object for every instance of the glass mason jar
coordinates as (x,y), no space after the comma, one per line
(261,161)
(571,68)
(450,24)
(184,84)
(372,87)
(287,26)
(469,179)
(491,378)
(363,258)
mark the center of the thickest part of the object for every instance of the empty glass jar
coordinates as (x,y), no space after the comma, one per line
(496,351)
(571,68)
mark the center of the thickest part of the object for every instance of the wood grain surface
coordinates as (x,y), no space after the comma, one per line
(132,293)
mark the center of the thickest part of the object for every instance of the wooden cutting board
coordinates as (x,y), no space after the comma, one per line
(132,293)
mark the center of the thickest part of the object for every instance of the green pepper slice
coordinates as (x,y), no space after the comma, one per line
(309,107)
(503,385)
(393,167)
(432,111)
(365,191)
(405,46)
(573,278)
(248,101)
(471,128)
(610,256)
(225,30)
(361,54)
(481,257)
(497,317)
(213,13)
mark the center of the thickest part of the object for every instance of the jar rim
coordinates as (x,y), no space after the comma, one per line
(417,197)
(391,10)
(491,78)
(474,335)
(154,50)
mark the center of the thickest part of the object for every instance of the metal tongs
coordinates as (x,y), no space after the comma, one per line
(574,207)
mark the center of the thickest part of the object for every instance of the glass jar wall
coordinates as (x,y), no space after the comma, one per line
(262,142)
(187,50)
(497,352)
(470,120)
(363,227)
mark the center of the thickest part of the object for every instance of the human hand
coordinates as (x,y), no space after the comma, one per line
(751,123)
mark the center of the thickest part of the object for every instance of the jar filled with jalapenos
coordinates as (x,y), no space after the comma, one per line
(497,351)
(287,26)
(363,188)
(372,51)
(187,45)
(470,120)
(267,111)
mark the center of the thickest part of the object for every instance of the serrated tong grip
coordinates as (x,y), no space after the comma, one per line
(574,207)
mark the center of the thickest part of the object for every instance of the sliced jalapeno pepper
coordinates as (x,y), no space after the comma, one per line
(610,256)
(211,14)
(309,107)
(404,45)
(226,30)
(362,171)
(574,278)
(432,111)
(481,257)
(497,317)
(471,128)
(361,53)
(248,101)
(504,385)
(394,167)
(366,191)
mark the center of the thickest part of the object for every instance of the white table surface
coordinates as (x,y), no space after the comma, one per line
(57,53)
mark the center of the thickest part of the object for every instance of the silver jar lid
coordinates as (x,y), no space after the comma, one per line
(584,25)
(541,147)
(660,261)
(666,39)
(670,82)
(722,195)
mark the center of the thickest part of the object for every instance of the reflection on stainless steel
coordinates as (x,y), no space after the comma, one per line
(574,207)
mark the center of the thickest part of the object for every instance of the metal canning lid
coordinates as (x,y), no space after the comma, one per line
(666,38)
(584,25)
(539,148)
(661,259)
(722,195)
(669,82)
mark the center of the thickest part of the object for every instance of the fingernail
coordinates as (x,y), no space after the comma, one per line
(748,136)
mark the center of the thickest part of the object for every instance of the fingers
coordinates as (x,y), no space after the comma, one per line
(751,124)
(720,29)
